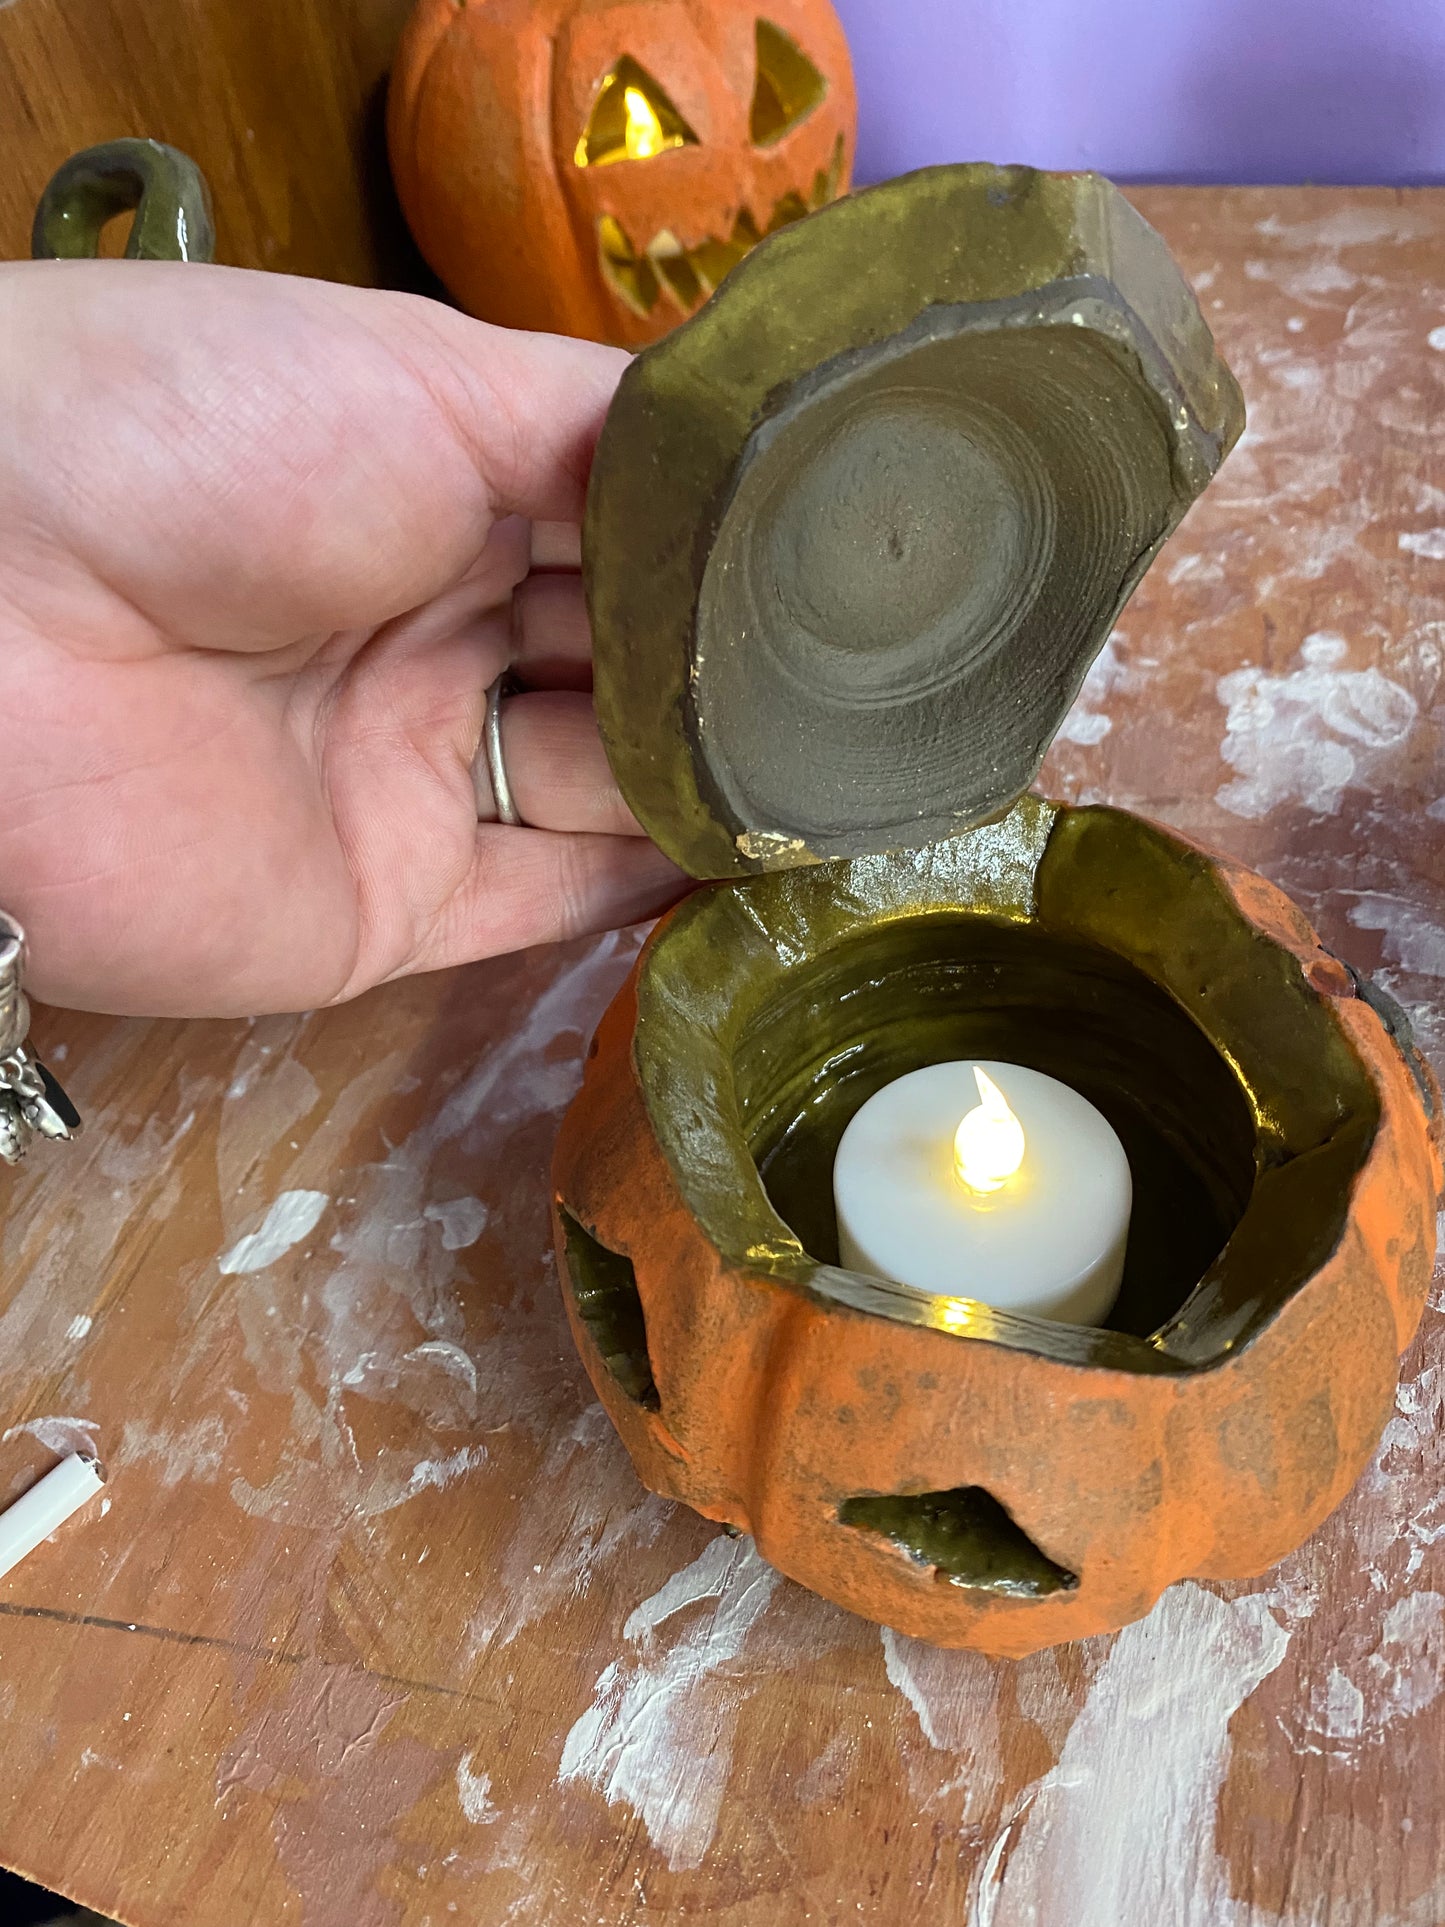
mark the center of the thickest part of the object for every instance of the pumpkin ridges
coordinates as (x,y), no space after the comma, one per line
(774,1406)
(1406,1161)
(425,29)
(825,1353)
(1404,1166)
(488,70)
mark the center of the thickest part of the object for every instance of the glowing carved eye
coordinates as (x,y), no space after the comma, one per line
(787,89)
(631,120)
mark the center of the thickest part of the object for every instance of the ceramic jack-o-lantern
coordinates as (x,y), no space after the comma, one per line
(854,535)
(595,167)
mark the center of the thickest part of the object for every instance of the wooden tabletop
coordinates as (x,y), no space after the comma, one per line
(374,1627)
(280,103)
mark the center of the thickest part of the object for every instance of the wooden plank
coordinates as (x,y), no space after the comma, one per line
(280,101)
(378,1629)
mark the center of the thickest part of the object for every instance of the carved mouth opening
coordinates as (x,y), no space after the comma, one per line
(641,277)
(965,1535)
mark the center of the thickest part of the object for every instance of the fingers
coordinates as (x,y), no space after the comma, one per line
(545,637)
(475,609)
(552,639)
(537,404)
(556,545)
(556,767)
(528,887)
(254,458)
(536,624)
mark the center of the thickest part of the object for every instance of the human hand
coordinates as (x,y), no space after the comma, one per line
(264,543)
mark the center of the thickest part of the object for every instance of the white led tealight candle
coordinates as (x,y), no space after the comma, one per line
(986,1181)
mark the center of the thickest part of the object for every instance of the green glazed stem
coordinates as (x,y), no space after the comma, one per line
(165,187)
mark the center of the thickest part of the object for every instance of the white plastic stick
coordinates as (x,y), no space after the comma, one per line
(49,1503)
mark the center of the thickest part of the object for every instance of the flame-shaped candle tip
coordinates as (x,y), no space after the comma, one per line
(989,1145)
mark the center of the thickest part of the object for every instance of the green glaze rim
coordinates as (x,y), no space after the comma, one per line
(1093,874)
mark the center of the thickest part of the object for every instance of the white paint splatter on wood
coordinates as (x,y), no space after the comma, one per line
(474,1791)
(654,1737)
(1343,227)
(1428,543)
(955,1697)
(1387,1663)
(556,1553)
(1313,283)
(462,1221)
(393,1282)
(1085,727)
(1403,1511)
(1121,1830)
(190,1451)
(291,1218)
(1304,737)
(57,1433)
(1087,723)
(58,1277)
(1350,1711)
(433,1475)
(1413,940)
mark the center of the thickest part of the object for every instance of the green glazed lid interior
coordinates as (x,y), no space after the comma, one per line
(858,529)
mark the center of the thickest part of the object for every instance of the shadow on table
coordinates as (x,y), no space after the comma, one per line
(24,1905)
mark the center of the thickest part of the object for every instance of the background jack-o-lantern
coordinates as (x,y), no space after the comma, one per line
(595,167)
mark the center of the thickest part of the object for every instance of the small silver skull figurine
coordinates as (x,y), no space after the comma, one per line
(31,1101)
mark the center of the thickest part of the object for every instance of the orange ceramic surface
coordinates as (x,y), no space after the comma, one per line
(1208,1448)
(594,167)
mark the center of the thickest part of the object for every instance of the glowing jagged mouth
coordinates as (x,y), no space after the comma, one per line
(689,275)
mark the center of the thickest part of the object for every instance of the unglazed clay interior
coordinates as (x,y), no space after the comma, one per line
(909,574)
(916,992)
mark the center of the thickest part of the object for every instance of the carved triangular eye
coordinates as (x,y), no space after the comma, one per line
(631,120)
(787,89)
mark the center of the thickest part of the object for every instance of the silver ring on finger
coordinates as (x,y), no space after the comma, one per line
(489,752)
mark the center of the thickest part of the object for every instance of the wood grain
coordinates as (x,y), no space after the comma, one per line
(378,1629)
(280,101)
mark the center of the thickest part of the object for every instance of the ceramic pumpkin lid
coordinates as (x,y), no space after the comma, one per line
(857,530)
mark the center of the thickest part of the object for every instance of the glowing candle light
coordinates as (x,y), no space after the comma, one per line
(986,1182)
(989,1145)
(644,130)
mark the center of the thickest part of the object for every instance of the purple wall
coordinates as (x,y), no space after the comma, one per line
(1206,90)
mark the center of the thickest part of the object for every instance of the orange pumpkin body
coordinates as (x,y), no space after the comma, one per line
(760,1387)
(594,167)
